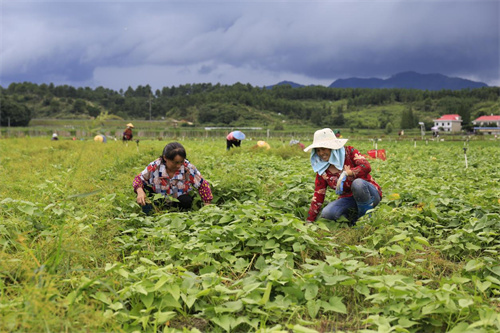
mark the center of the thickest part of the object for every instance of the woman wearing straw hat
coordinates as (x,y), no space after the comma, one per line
(346,171)
(234,139)
(127,134)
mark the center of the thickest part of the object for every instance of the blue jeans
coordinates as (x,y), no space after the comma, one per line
(364,196)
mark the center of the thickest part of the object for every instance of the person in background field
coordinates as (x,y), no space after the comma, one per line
(337,134)
(261,144)
(345,170)
(298,143)
(173,176)
(54,137)
(127,134)
(234,139)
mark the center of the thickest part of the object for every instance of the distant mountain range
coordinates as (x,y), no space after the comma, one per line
(405,80)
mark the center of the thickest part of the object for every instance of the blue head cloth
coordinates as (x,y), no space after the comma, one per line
(238,135)
(337,158)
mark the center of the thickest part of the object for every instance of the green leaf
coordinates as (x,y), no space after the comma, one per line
(140,289)
(169,301)
(189,299)
(164,279)
(495,270)
(313,308)
(422,240)
(474,265)
(493,280)
(465,303)
(397,238)
(460,328)
(123,273)
(460,279)
(229,307)
(396,248)
(148,299)
(311,291)
(224,322)
(116,306)
(174,290)
(260,264)
(405,322)
(267,294)
(301,329)
(163,317)
(27,209)
(102,297)
(226,219)
(147,261)
(482,286)
(333,280)
(335,304)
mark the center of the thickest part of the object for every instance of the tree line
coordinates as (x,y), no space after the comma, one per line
(243,104)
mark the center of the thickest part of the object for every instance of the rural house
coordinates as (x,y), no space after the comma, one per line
(487,124)
(448,123)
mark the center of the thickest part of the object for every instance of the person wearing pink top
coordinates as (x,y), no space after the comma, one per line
(234,139)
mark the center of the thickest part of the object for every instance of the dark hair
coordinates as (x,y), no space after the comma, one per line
(173,149)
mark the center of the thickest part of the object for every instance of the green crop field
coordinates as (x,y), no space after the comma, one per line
(78,255)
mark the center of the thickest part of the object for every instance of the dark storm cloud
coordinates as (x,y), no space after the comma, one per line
(127,43)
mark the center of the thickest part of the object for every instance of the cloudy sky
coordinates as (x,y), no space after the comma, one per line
(117,44)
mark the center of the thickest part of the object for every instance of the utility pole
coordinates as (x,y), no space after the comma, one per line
(422,129)
(150,105)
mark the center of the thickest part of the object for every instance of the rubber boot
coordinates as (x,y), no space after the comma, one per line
(364,207)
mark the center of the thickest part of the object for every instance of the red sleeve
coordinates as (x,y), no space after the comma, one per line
(205,192)
(318,198)
(137,182)
(362,167)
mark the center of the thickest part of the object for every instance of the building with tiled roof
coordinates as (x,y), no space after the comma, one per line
(487,124)
(448,123)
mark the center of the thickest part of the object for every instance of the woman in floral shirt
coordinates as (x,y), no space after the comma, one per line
(173,176)
(346,171)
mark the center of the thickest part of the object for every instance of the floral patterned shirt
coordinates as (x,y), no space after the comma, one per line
(359,166)
(155,175)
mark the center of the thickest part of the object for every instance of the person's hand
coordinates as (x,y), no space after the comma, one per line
(141,197)
(206,203)
(340,183)
(347,170)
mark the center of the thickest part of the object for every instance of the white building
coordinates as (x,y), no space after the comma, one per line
(487,124)
(448,123)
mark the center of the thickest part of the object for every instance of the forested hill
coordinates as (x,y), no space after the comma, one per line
(245,105)
(410,80)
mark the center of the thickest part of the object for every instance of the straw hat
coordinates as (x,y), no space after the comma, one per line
(263,144)
(130,125)
(325,138)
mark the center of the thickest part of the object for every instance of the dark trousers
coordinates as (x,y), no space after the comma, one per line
(230,143)
(185,202)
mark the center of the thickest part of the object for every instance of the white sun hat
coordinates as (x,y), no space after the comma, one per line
(325,138)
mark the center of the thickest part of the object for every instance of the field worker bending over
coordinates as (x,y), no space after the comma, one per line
(173,176)
(346,171)
(127,134)
(234,139)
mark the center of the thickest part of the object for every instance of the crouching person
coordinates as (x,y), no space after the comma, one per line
(343,169)
(173,176)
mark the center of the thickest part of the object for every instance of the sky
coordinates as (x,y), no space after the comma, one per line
(121,44)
